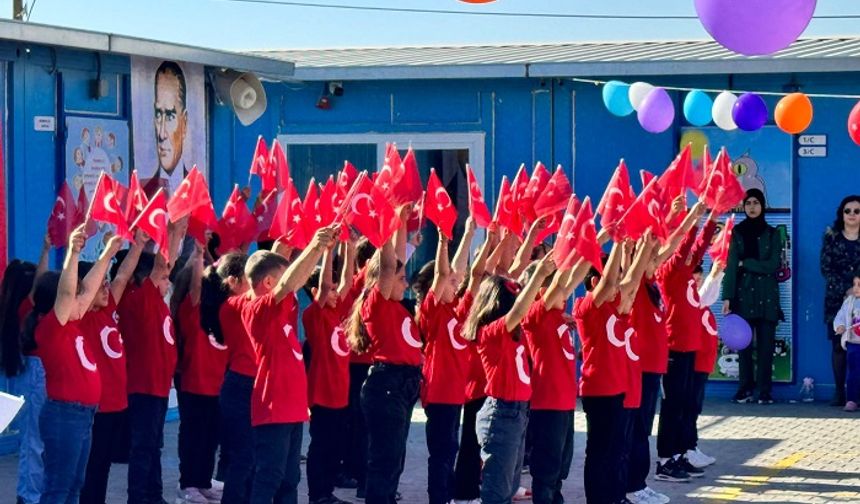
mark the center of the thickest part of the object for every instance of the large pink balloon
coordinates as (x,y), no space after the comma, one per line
(755,27)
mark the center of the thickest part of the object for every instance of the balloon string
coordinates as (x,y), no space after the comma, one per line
(765,93)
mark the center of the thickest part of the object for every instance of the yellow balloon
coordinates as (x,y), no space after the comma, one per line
(698,139)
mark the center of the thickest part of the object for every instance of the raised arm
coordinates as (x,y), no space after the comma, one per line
(633,277)
(564,283)
(461,257)
(326,275)
(129,264)
(674,241)
(196,264)
(528,294)
(607,287)
(703,242)
(524,254)
(442,273)
(480,265)
(347,270)
(297,273)
(66,304)
(176,234)
(402,234)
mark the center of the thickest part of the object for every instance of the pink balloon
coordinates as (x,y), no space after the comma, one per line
(755,27)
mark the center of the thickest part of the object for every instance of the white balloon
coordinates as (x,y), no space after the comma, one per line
(722,111)
(637,93)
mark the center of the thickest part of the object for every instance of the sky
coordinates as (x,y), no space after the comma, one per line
(236,25)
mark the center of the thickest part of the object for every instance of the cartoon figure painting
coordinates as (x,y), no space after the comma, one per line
(728,363)
(746,168)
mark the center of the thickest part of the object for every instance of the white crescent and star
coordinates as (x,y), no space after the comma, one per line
(706,321)
(155,213)
(522,372)
(107,201)
(105,337)
(297,354)
(613,339)
(564,332)
(356,199)
(215,344)
(167,330)
(692,295)
(336,337)
(82,355)
(452,324)
(406,332)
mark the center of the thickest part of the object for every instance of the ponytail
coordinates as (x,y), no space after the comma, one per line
(356,332)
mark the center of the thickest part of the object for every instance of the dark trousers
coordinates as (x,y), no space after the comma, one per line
(552,453)
(146,415)
(642,424)
(607,424)
(853,382)
(691,439)
(387,398)
(277,452)
(237,437)
(443,424)
(839,361)
(758,375)
(108,429)
(678,403)
(199,426)
(467,469)
(66,430)
(355,449)
(327,438)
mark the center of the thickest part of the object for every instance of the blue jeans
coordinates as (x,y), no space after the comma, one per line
(146,415)
(67,432)
(443,424)
(237,437)
(31,470)
(853,381)
(501,429)
(278,452)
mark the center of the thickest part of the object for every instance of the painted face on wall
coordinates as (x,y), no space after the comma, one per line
(170,120)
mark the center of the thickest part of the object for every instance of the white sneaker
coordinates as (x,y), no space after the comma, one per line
(641,497)
(211,494)
(218,486)
(696,459)
(656,496)
(190,495)
(709,459)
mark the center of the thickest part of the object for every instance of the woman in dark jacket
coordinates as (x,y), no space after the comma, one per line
(840,257)
(751,290)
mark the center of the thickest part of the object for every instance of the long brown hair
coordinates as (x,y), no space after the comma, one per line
(495,299)
(356,332)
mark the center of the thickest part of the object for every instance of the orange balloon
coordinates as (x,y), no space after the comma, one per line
(793,113)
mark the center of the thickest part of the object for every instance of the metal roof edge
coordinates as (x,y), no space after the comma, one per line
(19,31)
(622,68)
(411,72)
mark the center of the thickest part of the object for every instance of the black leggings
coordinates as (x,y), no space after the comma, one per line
(467,469)
(759,375)
(840,366)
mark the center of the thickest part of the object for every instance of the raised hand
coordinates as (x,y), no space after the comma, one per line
(78,239)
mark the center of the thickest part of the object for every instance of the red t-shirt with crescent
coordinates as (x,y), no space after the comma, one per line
(706,357)
(553,358)
(101,329)
(354,292)
(280,392)
(394,337)
(147,330)
(446,363)
(204,360)
(604,364)
(328,375)
(71,373)
(650,324)
(505,362)
(240,350)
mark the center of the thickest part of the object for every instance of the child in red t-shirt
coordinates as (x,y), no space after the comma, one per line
(328,373)
(494,322)
(201,373)
(72,378)
(279,404)
(100,326)
(446,361)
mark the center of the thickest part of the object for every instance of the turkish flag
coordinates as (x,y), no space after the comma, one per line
(586,236)
(264,213)
(616,201)
(83,209)
(153,221)
(345,180)
(719,251)
(136,199)
(506,215)
(409,189)
(538,181)
(477,206)
(191,193)
(105,206)
(261,165)
(236,226)
(311,210)
(278,167)
(370,213)
(202,219)
(646,177)
(438,206)
(416,218)
(552,226)
(723,191)
(648,210)
(520,184)
(61,223)
(391,172)
(289,220)
(566,240)
(678,177)
(555,195)
(328,201)
(700,176)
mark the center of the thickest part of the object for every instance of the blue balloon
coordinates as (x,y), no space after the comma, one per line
(697,108)
(735,332)
(616,98)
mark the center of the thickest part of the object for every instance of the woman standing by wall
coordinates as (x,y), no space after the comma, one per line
(751,290)
(840,256)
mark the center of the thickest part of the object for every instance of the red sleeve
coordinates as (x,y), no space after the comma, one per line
(704,241)
(583,305)
(531,322)
(464,306)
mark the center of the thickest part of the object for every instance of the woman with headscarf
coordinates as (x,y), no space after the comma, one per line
(751,290)
(840,258)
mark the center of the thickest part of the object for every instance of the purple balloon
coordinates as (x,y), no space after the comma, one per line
(755,27)
(749,112)
(735,333)
(657,111)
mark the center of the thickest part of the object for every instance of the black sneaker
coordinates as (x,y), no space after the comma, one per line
(765,398)
(346,482)
(359,493)
(838,400)
(670,471)
(743,396)
(689,468)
